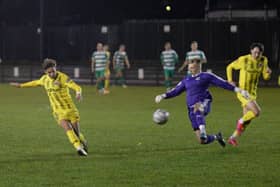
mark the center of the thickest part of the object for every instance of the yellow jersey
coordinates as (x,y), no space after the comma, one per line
(250,71)
(57,90)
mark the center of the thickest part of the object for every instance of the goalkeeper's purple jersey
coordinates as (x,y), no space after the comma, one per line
(197,86)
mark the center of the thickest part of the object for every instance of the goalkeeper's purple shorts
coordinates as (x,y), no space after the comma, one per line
(198,117)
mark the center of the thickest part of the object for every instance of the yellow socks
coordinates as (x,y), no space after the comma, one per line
(82,137)
(107,83)
(73,138)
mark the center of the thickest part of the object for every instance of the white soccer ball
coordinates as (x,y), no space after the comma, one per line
(160,116)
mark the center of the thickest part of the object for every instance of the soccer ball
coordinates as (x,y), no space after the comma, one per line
(160,116)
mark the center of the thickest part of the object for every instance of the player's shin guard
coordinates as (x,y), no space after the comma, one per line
(73,138)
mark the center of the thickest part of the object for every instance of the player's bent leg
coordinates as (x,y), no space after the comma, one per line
(122,79)
(202,131)
(107,81)
(166,79)
(76,127)
(206,139)
(73,138)
(107,84)
(254,107)
(251,110)
(198,123)
(117,77)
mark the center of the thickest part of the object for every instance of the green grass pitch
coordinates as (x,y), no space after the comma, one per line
(128,149)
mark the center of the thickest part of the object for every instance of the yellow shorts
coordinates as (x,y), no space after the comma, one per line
(245,101)
(107,73)
(69,115)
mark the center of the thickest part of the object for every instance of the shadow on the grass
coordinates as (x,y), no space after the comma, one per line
(132,151)
(125,152)
(42,157)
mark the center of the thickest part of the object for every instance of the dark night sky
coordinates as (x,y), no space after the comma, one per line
(112,11)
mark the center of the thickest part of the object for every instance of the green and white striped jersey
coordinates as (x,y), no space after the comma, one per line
(168,59)
(100,58)
(195,55)
(120,57)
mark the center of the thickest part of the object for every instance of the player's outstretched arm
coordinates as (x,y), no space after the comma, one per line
(235,65)
(160,97)
(27,84)
(15,84)
(172,93)
(220,82)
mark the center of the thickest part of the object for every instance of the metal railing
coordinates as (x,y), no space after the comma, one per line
(152,73)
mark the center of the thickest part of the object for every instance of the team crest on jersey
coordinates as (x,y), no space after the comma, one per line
(197,78)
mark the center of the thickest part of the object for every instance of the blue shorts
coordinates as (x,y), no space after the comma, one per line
(198,118)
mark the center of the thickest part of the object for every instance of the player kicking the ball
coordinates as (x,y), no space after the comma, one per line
(57,86)
(199,99)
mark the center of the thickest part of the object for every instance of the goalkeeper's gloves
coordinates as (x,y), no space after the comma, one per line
(244,93)
(160,97)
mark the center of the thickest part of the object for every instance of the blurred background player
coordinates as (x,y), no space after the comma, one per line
(120,59)
(250,67)
(57,86)
(107,70)
(199,99)
(193,54)
(99,61)
(168,59)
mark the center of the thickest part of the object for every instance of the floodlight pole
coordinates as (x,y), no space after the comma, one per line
(40,30)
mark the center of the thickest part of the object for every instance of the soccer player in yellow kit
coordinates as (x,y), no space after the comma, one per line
(57,86)
(107,70)
(250,67)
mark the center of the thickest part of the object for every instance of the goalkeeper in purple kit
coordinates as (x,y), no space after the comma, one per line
(199,99)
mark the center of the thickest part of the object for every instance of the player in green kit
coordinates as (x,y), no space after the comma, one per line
(168,59)
(194,53)
(120,59)
(99,62)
